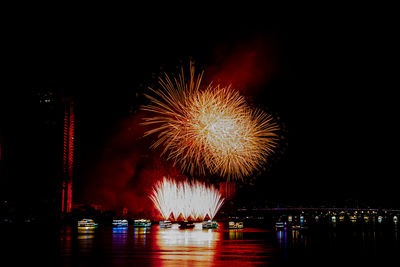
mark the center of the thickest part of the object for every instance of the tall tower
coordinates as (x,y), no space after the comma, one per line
(68,157)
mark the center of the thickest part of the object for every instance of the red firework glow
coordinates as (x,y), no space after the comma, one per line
(247,65)
(194,200)
(124,173)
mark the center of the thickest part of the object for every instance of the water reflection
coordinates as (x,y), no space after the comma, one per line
(188,237)
(85,238)
(119,236)
(66,234)
(282,238)
(186,247)
(66,239)
(122,231)
(139,235)
(235,234)
(153,246)
(351,243)
(85,232)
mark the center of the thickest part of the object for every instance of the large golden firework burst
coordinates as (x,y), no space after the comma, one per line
(211,128)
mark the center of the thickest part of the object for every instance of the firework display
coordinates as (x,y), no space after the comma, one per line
(186,199)
(209,129)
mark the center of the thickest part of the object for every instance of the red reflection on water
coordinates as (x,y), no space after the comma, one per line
(166,247)
(186,247)
(197,247)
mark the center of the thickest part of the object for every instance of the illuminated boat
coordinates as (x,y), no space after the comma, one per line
(87,223)
(141,223)
(353,219)
(165,224)
(235,225)
(280,225)
(209,224)
(120,223)
(186,225)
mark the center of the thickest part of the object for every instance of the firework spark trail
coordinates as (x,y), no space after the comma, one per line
(160,197)
(195,200)
(209,129)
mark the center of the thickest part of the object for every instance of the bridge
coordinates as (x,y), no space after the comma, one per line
(321,213)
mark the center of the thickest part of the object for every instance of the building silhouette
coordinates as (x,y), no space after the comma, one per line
(37,154)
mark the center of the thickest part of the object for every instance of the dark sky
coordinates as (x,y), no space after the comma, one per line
(328,82)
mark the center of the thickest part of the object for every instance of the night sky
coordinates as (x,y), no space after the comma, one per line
(325,77)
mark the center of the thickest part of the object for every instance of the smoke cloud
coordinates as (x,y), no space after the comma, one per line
(247,65)
(127,171)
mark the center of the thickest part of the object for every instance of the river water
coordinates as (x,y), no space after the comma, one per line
(107,246)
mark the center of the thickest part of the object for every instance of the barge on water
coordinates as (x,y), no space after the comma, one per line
(120,223)
(165,224)
(87,223)
(235,225)
(142,223)
(209,224)
(186,225)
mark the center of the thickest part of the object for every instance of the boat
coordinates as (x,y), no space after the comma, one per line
(120,223)
(280,225)
(165,224)
(209,224)
(87,223)
(141,223)
(235,225)
(186,225)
